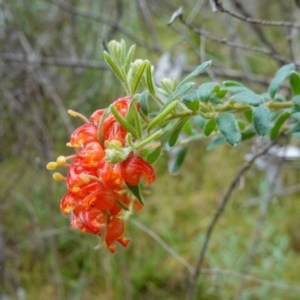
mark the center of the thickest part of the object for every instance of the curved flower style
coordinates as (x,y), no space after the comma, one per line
(97,190)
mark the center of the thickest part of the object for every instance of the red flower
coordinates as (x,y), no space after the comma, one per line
(96,189)
(135,168)
(84,135)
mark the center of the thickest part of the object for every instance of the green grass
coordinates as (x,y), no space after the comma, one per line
(49,260)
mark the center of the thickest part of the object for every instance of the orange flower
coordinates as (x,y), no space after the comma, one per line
(135,168)
(96,189)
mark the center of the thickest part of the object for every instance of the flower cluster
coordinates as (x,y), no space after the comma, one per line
(98,174)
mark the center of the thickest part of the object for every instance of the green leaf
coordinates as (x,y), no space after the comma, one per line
(191,101)
(162,114)
(237,89)
(295,82)
(209,127)
(135,189)
(113,66)
(187,128)
(179,160)
(228,126)
(138,123)
(216,100)
(180,90)
(296,100)
(241,125)
(200,69)
(248,135)
(123,121)
(231,83)
(221,93)
(280,98)
(296,116)
(129,58)
(247,97)
(248,115)
(280,76)
(295,128)
(174,135)
(206,89)
(137,77)
(279,122)
(217,141)
(200,121)
(144,102)
(149,78)
(153,155)
(261,119)
(132,108)
(295,109)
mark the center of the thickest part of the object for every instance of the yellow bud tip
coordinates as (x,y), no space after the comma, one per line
(61,160)
(58,177)
(52,165)
(69,145)
(84,177)
(116,143)
(72,113)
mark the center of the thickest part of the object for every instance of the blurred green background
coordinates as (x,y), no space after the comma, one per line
(51,60)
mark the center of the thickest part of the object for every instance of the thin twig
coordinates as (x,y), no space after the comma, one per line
(92,64)
(227,42)
(221,8)
(257,29)
(103,19)
(223,202)
(54,61)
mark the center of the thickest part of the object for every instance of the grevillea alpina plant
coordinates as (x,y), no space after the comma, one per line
(115,147)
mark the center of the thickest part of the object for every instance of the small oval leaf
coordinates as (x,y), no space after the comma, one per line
(279,122)
(247,135)
(180,90)
(247,97)
(205,90)
(237,89)
(295,82)
(209,127)
(221,93)
(175,163)
(280,76)
(261,119)
(248,115)
(228,126)
(153,155)
(231,83)
(191,101)
(217,141)
(174,135)
(296,100)
(144,102)
(200,69)
(295,128)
